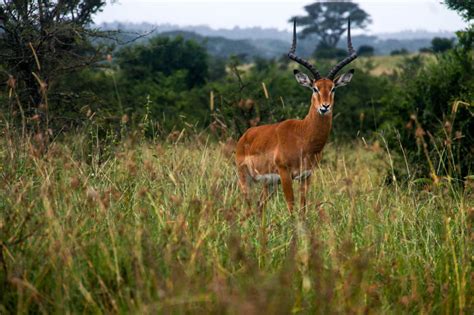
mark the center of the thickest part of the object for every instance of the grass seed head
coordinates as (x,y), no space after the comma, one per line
(11,82)
(458,135)
(75,183)
(420,133)
(92,194)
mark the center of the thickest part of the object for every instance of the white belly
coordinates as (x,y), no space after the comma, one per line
(273,178)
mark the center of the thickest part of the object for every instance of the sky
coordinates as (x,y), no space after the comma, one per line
(387,16)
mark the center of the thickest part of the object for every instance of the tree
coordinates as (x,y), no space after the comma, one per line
(168,74)
(365,50)
(464,8)
(42,40)
(328,21)
(397,52)
(439,44)
(425,50)
(162,57)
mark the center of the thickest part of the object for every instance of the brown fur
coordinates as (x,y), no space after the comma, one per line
(287,148)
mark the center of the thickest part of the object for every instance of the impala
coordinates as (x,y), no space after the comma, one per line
(291,149)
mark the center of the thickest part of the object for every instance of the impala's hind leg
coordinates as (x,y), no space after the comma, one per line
(266,195)
(244,182)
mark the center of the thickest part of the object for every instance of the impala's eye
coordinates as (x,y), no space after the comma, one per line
(315,89)
(333,90)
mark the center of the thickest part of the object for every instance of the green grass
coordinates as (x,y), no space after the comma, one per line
(386,65)
(152,228)
(377,65)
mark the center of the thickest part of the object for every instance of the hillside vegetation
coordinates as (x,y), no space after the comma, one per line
(387,65)
(270,43)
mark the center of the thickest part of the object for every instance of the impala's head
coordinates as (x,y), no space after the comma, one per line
(323,87)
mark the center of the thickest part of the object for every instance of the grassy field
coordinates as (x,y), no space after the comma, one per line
(160,227)
(378,65)
(386,65)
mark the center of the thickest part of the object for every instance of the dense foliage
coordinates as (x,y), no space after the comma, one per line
(42,40)
(171,84)
(365,50)
(465,8)
(439,44)
(431,107)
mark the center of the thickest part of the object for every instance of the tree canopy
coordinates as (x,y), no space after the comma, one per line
(328,20)
(40,40)
(464,8)
(439,44)
(165,55)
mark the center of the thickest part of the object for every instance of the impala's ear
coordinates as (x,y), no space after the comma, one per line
(344,79)
(303,79)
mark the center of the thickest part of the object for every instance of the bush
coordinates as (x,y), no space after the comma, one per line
(365,50)
(430,107)
(164,55)
(165,79)
(439,44)
(397,52)
(328,52)
(425,50)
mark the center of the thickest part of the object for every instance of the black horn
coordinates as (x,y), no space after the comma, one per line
(348,59)
(292,55)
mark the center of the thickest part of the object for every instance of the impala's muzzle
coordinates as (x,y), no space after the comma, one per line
(324,109)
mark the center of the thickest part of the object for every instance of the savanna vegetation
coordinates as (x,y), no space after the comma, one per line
(118,190)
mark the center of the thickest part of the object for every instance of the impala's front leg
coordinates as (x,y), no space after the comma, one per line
(287,186)
(304,187)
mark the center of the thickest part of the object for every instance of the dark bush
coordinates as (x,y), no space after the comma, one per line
(365,50)
(165,56)
(396,52)
(425,50)
(439,44)
(430,107)
(328,52)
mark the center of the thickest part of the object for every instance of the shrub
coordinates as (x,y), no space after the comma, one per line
(164,55)
(425,50)
(329,52)
(396,52)
(430,108)
(439,44)
(365,50)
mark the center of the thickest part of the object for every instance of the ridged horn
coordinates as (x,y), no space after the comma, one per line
(292,55)
(348,59)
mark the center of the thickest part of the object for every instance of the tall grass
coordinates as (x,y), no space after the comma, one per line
(160,227)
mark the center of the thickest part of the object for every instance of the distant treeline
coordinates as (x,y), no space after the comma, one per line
(270,43)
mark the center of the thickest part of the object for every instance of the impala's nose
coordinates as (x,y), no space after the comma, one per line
(324,109)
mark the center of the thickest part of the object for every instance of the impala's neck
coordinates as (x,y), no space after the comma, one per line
(317,127)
